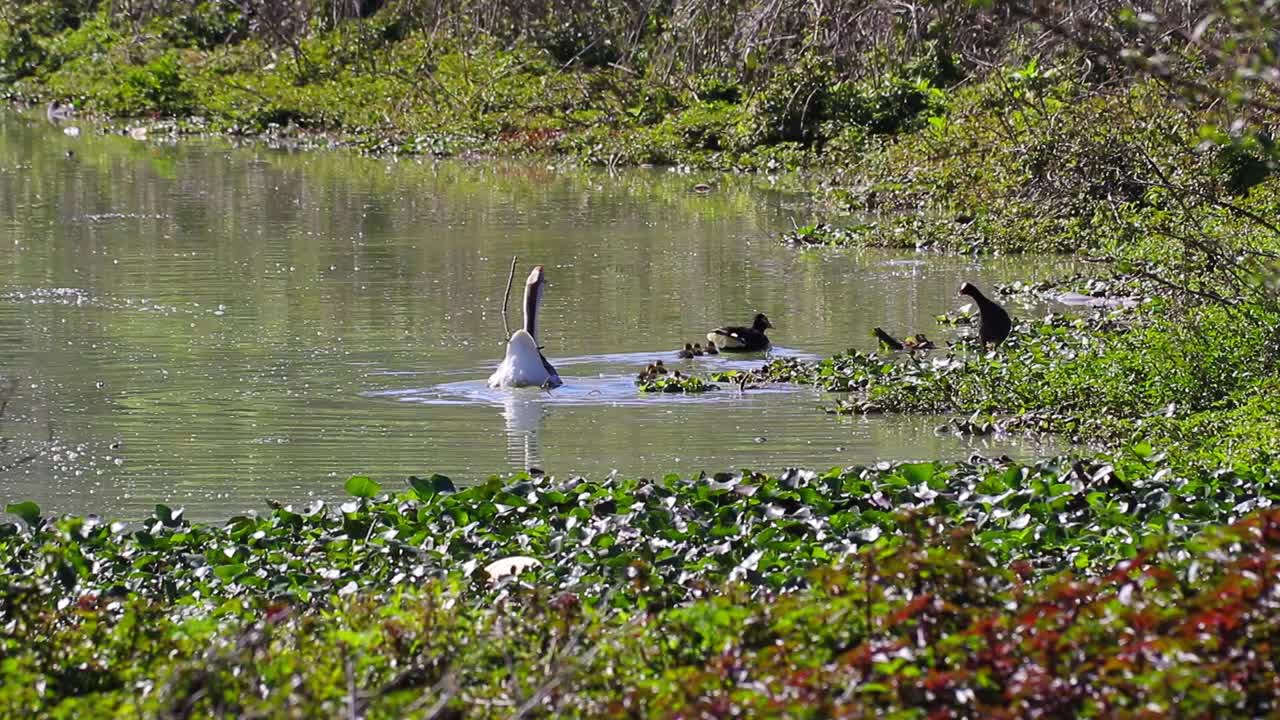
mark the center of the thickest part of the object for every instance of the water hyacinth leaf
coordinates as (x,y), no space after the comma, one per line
(509,499)
(430,487)
(362,486)
(167,515)
(230,571)
(27,510)
(918,473)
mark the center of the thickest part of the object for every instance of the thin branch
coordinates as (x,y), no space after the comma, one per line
(352,702)
(506,296)
(1218,202)
(445,689)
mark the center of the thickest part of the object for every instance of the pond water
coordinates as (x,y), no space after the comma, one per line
(208,325)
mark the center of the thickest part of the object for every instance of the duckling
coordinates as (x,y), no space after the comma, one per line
(711,348)
(659,368)
(887,340)
(697,349)
(647,374)
(919,342)
(743,339)
(686,353)
(994,323)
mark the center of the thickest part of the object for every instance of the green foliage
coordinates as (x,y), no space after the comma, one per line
(155,87)
(791,106)
(969,588)
(28,511)
(675,383)
(931,621)
(362,487)
(435,485)
(1111,375)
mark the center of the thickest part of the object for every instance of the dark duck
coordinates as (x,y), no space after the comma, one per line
(994,323)
(886,340)
(918,342)
(911,343)
(742,339)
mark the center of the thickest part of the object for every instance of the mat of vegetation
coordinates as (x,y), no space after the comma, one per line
(1198,378)
(915,589)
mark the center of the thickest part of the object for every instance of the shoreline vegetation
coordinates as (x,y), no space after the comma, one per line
(1135,577)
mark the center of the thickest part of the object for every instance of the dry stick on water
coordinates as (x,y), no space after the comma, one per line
(506,296)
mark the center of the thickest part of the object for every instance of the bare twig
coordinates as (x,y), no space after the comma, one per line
(443,691)
(506,296)
(567,666)
(352,712)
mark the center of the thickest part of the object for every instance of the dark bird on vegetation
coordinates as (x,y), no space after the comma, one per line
(887,340)
(911,343)
(994,323)
(743,339)
(918,342)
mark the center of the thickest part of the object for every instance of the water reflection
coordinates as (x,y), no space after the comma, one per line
(522,411)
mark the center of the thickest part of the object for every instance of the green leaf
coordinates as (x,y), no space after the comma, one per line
(509,499)
(426,489)
(28,511)
(362,486)
(229,571)
(918,473)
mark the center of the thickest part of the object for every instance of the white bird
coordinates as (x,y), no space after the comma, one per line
(524,365)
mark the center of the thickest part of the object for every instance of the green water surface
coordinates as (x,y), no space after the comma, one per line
(208,325)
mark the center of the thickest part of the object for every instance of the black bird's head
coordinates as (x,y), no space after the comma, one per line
(761,323)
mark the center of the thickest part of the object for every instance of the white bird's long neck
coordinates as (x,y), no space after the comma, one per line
(531,293)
